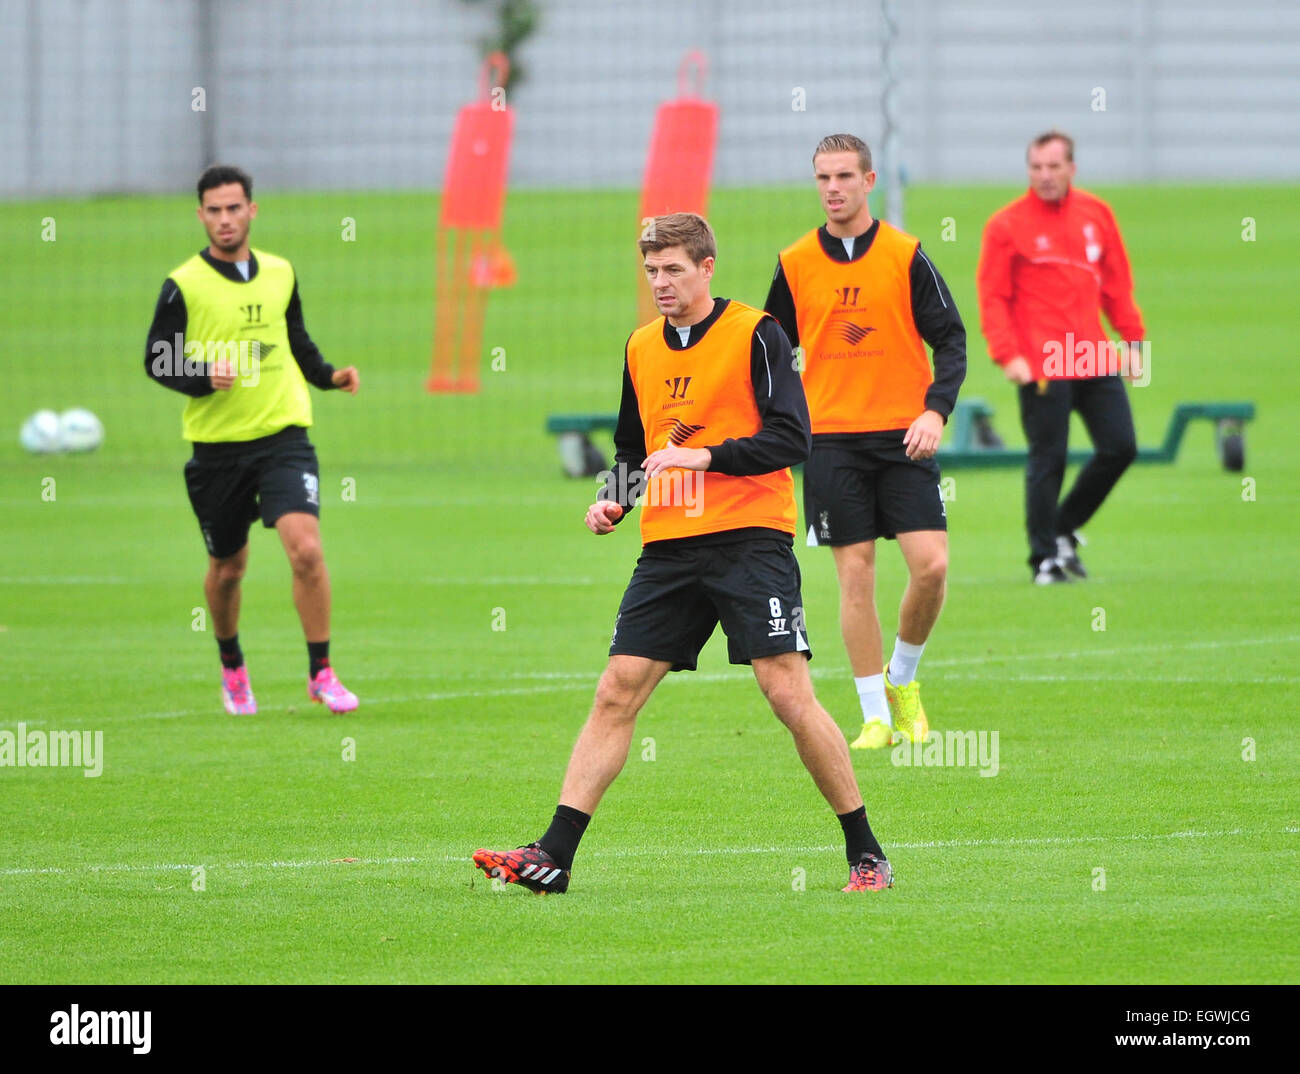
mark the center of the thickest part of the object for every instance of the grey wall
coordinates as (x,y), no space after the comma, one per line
(94,95)
(1195,89)
(97,94)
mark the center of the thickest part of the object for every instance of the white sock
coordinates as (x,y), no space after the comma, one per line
(871,693)
(902,665)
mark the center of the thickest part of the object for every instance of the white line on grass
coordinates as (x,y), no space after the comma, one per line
(69,579)
(526,580)
(113,579)
(1127,650)
(126,867)
(945,844)
(933,844)
(1252,680)
(586,680)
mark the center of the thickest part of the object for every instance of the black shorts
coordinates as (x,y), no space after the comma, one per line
(680,592)
(230,485)
(864,487)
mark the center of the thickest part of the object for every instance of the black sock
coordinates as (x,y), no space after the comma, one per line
(318,656)
(232,656)
(562,837)
(858,838)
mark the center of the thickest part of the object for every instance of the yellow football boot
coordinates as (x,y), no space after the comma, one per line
(876,735)
(905,707)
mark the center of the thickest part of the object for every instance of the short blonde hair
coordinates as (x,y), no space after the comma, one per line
(845,143)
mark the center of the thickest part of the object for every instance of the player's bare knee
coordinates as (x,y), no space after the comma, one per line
(793,708)
(932,572)
(861,584)
(788,696)
(306,558)
(856,567)
(858,586)
(616,693)
(784,705)
(227,573)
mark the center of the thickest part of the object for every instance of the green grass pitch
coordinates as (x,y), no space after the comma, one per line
(1143,822)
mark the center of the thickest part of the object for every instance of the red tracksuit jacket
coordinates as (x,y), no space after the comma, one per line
(1046,269)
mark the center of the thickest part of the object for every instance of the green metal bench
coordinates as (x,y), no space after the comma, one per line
(972,440)
(578,455)
(972,436)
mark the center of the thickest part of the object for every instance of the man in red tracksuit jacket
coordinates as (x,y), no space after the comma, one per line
(1049,262)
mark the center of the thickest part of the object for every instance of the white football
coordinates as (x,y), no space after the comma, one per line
(82,431)
(42,433)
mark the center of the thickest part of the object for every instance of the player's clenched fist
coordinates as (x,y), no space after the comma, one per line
(348,380)
(602,515)
(222,375)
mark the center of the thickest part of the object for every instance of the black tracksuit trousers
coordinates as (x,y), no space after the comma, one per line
(1102,403)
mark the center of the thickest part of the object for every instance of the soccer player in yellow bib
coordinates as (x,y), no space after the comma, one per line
(863,300)
(228,332)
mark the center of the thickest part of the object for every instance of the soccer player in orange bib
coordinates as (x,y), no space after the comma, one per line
(863,300)
(712,417)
